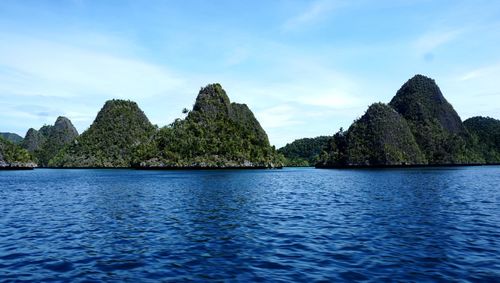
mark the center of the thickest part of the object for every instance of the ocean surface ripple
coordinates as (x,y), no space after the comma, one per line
(420,224)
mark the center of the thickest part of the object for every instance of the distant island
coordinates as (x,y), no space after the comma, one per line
(418,127)
(13,138)
(216,134)
(304,152)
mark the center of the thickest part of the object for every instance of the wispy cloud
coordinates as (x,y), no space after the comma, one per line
(316,11)
(278,116)
(41,79)
(331,99)
(353,53)
(430,41)
(487,71)
(51,68)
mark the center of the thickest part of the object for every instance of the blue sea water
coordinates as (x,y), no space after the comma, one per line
(421,224)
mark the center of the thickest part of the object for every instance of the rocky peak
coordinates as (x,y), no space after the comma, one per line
(63,122)
(422,84)
(382,137)
(420,99)
(33,140)
(212,100)
(64,130)
(118,109)
(49,140)
(118,128)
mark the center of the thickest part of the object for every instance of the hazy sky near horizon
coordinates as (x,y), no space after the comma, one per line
(305,68)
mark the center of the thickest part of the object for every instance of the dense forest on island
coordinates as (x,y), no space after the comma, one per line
(381,136)
(485,133)
(13,138)
(120,126)
(418,127)
(305,151)
(13,156)
(215,134)
(46,142)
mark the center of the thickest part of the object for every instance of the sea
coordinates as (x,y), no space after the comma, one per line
(284,225)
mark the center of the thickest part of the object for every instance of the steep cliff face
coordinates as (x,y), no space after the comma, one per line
(63,131)
(45,143)
(33,140)
(58,136)
(436,126)
(420,100)
(243,116)
(120,126)
(382,137)
(212,101)
(215,134)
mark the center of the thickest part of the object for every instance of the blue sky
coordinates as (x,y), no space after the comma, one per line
(305,68)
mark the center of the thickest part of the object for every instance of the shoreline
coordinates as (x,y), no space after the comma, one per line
(402,166)
(169,168)
(9,168)
(195,168)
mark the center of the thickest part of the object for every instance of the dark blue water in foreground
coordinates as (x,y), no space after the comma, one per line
(262,225)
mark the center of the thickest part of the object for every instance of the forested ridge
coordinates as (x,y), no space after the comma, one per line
(120,126)
(305,151)
(418,127)
(215,134)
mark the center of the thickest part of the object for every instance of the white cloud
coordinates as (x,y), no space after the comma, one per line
(74,78)
(331,99)
(41,79)
(278,116)
(314,12)
(428,42)
(480,73)
(80,116)
(474,92)
(45,67)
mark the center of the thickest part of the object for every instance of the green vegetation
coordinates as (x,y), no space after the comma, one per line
(110,141)
(215,134)
(417,127)
(13,138)
(33,140)
(486,137)
(12,155)
(304,152)
(381,137)
(436,126)
(45,143)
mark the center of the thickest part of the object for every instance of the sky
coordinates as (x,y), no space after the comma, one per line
(305,68)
